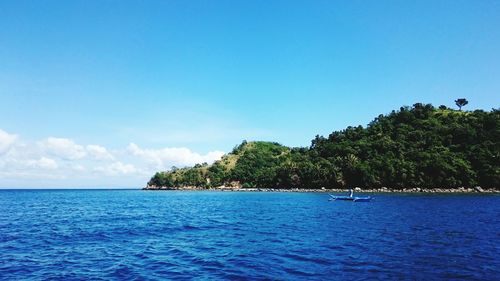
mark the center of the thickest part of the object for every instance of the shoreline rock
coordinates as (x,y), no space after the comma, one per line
(476,189)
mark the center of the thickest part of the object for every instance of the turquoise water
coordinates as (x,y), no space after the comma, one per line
(146,235)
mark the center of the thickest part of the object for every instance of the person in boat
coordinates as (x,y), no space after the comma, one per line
(350,192)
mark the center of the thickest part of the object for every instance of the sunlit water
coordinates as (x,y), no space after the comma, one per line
(146,235)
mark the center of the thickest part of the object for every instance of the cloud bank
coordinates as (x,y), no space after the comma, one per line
(62,162)
(6,141)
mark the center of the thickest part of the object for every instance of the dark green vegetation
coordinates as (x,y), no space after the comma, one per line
(419,146)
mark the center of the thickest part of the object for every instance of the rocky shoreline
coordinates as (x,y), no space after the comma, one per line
(476,189)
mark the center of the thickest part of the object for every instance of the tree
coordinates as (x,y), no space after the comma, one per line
(461,102)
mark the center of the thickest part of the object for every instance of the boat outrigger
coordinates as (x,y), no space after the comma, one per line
(350,197)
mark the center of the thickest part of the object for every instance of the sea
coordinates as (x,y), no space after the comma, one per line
(198,235)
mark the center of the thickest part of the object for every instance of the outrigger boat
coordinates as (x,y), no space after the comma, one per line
(350,198)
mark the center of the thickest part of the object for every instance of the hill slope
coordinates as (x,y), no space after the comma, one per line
(419,146)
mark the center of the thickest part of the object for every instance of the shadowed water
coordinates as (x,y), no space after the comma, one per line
(144,235)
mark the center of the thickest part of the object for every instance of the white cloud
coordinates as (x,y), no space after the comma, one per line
(43,163)
(61,162)
(78,168)
(6,141)
(117,168)
(173,156)
(25,176)
(63,148)
(98,152)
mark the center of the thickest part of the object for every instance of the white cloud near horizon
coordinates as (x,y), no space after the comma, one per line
(62,162)
(175,156)
(43,163)
(99,152)
(63,148)
(117,168)
(6,141)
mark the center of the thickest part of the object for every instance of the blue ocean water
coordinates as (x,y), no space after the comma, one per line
(150,235)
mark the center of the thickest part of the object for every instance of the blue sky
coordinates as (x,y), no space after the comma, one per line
(140,78)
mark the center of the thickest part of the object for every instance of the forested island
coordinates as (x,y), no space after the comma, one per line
(413,147)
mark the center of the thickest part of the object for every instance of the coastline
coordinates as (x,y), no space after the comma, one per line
(477,190)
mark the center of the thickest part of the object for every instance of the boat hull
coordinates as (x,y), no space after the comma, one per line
(348,198)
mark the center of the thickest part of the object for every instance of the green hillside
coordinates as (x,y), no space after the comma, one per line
(419,146)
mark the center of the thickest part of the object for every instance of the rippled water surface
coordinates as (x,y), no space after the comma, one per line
(145,235)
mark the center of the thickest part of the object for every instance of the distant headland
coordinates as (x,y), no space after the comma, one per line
(413,149)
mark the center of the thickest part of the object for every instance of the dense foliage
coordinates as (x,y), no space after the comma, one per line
(419,146)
